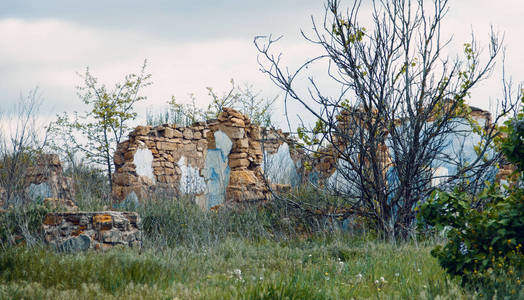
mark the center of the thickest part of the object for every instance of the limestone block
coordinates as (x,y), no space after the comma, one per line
(177,134)
(234,156)
(237,122)
(123,178)
(242,143)
(141,130)
(242,178)
(222,116)
(129,155)
(254,145)
(235,114)
(232,132)
(197,135)
(169,132)
(239,163)
(166,146)
(118,158)
(189,148)
(188,133)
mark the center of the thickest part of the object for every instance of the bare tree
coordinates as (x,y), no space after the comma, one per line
(21,139)
(400,103)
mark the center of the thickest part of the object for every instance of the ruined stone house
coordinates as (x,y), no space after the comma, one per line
(217,160)
(225,160)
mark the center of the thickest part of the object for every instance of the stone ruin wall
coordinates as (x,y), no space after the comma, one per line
(79,231)
(218,160)
(46,182)
(325,165)
(222,160)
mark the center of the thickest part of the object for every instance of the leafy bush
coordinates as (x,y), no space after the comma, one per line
(513,144)
(485,232)
(22,225)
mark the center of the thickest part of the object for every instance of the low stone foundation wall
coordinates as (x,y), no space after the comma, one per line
(77,231)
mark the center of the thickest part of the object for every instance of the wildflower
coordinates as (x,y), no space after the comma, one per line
(341,263)
(397,274)
(237,272)
(376,282)
(383,280)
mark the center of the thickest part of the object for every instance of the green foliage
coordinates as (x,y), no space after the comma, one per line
(22,225)
(513,145)
(482,244)
(336,267)
(244,99)
(112,271)
(485,232)
(92,191)
(172,222)
(97,132)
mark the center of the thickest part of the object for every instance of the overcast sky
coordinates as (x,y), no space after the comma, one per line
(191,45)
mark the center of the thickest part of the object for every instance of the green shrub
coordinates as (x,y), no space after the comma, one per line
(484,247)
(22,225)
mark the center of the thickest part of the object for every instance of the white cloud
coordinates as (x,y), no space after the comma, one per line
(48,52)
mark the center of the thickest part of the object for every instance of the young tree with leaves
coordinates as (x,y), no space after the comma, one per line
(97,132)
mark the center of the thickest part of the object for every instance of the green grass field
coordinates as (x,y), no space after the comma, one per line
(334,266)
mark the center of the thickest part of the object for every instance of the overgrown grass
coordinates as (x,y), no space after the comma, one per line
(256,252)
(336,266)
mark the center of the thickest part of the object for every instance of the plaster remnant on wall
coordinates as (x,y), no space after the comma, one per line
(143,161)
(38,192)
(190,180)
(216,171)
(280,168)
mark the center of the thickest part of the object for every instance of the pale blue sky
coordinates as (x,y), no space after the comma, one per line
(190,44)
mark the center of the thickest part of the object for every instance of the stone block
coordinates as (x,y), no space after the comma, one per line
(242,143)
(197,135)
(177,134)
(233,132)
(166,146)
(79,231)
(242,178)
(234,156)
(169,132)
(141,130)
(188,133)
(237,122)
(239,163)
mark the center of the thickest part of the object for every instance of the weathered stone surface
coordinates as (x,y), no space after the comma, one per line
(172,174)
(45,179)
(188,133)
(239,163)
(72,232)
(242,178)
